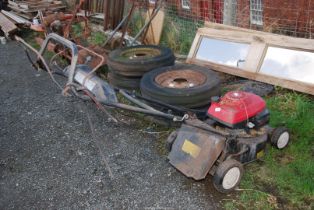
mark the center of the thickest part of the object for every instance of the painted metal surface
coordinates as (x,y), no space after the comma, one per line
(195,151)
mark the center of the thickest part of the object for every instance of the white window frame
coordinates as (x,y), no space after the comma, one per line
(186,4)
(259,43)
(256,12)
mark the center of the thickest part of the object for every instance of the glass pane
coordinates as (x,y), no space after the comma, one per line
(222,52)
(289,64)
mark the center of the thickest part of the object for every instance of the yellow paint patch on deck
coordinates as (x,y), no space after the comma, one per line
(191,149)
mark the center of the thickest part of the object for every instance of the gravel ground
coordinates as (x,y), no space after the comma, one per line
(50,160)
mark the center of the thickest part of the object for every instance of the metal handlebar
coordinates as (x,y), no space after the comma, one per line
(66,43)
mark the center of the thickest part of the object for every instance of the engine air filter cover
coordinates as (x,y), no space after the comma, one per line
(237,108)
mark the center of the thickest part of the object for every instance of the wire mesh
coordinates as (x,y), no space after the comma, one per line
(183,17)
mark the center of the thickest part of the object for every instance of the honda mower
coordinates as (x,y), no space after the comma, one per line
(234,133)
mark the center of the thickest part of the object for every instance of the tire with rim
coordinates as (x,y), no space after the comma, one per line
(129,83)
(182,85)
(228,175)
(136,60)
(280,137)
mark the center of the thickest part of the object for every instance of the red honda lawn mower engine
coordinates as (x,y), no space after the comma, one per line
(238,109)
(236,133)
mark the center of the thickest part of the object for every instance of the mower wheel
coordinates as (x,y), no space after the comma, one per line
(136,60)
(129,83)
(280,137)
(183,85)
(228,175)
(170,140)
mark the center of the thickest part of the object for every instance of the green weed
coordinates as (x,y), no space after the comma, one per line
(97,38)
(77,30)
(179,33)
(137,22)
(29,36)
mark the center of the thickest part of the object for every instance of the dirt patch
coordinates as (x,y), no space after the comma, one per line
(284,159)
(273,195)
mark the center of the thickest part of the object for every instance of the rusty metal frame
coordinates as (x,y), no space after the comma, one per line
(67,43)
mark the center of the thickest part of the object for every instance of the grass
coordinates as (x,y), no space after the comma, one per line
(285,178)
(29,36)
(178,33)
(97,38)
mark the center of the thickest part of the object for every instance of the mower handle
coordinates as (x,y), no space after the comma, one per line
(68,44)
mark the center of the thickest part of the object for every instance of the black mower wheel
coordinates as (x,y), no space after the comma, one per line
(228,175)
(181,85)
(119,81)
(136,60)
(280,137)
(169,142)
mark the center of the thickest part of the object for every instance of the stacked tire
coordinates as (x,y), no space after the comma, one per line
(128,65)
(181,85)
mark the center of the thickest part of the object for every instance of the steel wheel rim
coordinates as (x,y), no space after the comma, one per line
(180,79)
(139,53)
(231,178)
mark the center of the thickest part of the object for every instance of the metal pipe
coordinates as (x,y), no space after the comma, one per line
(141,110)
(137,102)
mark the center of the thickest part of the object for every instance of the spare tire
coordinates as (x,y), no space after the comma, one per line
(136,60)
(129,83)
(182,85)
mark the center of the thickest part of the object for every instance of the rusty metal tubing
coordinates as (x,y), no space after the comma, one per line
(147,23)
(137,102)
(102,61)
(68,44)
(96,67)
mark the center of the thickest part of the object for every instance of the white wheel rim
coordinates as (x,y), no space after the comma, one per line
(231,178)
(283,140)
